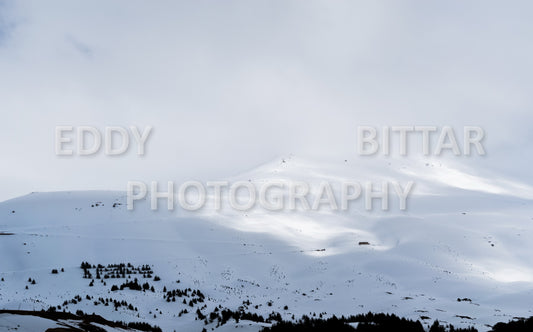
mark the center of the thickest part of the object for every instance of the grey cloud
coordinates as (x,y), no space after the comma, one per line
(228,85)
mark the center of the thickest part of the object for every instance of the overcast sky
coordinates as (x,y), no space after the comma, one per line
(228,85)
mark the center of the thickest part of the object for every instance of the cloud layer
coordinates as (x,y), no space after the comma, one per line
(229,85)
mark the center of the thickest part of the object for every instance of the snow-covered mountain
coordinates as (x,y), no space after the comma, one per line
(463,236)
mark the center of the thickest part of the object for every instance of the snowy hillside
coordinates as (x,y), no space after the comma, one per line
(463,236)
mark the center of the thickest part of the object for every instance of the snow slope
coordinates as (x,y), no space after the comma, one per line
(464,235)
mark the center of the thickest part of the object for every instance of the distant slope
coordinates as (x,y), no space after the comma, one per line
(463,236)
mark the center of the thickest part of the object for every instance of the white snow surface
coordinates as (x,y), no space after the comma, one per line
(463,235)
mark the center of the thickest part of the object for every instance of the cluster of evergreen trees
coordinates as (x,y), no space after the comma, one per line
(196,296)
(133,285)
(77,299)
(120,270)
(116,303)
(519,325)
(141,326)
(369,322)
(222,316)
